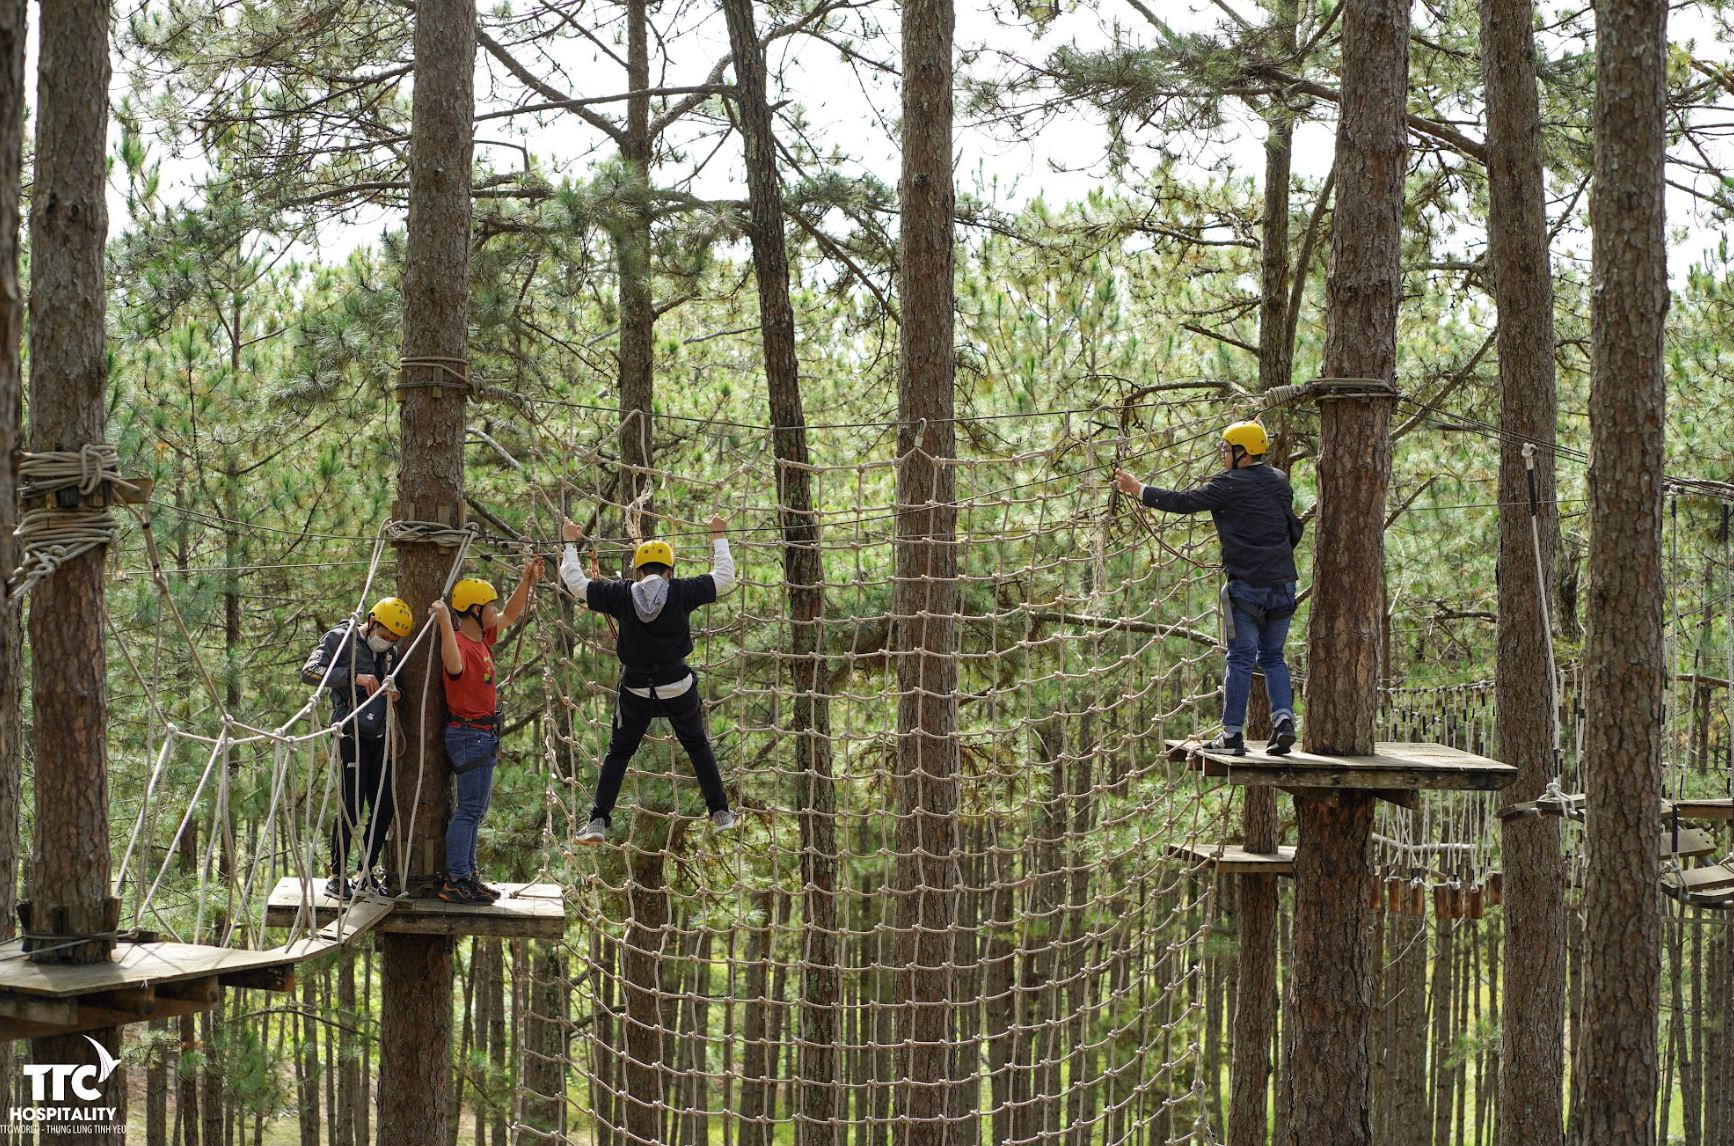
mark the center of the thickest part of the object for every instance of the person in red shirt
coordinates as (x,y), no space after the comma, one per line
(473,729)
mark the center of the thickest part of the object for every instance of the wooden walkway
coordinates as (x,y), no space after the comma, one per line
(1233,859)
(1393,767)
(525,911)
(154,980)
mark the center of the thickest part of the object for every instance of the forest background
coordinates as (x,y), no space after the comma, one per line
(1111,229)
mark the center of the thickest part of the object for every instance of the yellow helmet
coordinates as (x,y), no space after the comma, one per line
(472,591)
(394,614)
(653,553)
(1249,436)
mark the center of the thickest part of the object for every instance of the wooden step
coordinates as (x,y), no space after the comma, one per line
(1233,859)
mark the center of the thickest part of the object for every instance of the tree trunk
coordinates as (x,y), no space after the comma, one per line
(1255,998)
(157,1086)
(817,1122)
(632,251)
(1275,348)
(1255,987)
(1328,1089)
(69,876)
(308,1064)
(1625,662)
(925,597)
(12,34)
(1532,1034)
(416,971)
(351,1101)
(211,1106)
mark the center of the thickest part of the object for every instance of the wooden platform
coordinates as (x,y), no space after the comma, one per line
(154,980)
(1568,807)
(1233,859)
(1393,767)
(1722,809)
(525,911)
(1687,842)
(1708,886)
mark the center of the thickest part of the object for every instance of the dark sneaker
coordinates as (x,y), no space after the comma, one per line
(458,891)
(475,884)
(1282,737)
(339,888)
(1232,743)
(594,832)
(381,886)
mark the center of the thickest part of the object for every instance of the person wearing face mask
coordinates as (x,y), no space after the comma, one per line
(473,726)
(354,663)
(654,638)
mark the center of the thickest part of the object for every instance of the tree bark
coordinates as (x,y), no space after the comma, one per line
(632,251)
(817,1122)
(1625,662)
(1532,1033)
(416,971)
(1331,1016)
(12,36)
(69,876)
(307,1090)
(925,594)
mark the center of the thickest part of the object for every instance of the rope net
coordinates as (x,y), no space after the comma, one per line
(743,983)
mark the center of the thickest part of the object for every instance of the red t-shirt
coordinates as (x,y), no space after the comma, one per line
(473,693)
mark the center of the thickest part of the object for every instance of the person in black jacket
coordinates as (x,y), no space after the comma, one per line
(353,663)
(654,637)
(1253,507)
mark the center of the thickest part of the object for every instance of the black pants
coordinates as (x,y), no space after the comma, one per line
(364,782)
(632,716)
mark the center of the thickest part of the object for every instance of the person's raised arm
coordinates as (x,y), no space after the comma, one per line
(521,595)
(722,562)
(571,569)
(1213,494)
(449,654)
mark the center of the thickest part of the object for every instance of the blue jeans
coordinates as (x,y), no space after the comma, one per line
(1257,619)
(476,751)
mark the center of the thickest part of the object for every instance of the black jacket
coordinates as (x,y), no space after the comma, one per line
(653,652)
(1253,508)
(347,659)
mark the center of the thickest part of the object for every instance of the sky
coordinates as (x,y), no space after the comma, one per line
(853,109)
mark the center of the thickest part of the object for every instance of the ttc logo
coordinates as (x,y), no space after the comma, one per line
(49,1081)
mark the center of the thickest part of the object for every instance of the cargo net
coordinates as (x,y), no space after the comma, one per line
(817,969)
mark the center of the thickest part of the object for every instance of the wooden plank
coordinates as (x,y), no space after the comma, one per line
(205,991)
(89,1018)
(1700,880)
(525,911)
(278,978)
(1687,842)
(36,1009)
(1722,809)
(139,965)
(1571,807)
(1234,859)
(1394,766)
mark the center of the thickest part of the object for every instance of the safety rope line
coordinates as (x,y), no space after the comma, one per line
(52,535)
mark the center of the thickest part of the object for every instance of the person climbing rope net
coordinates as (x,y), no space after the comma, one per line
(652,614)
